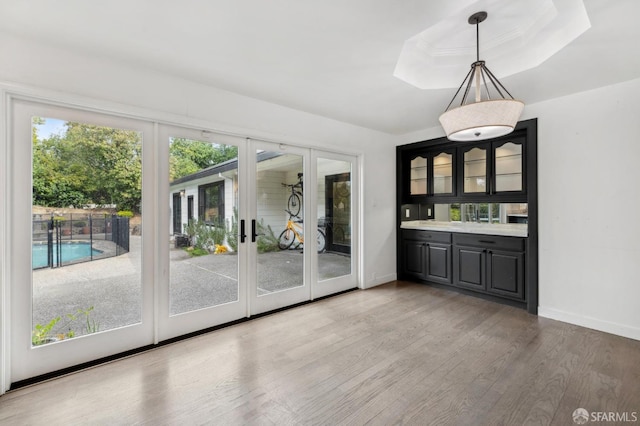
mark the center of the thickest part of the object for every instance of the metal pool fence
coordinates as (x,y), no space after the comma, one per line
(68,239)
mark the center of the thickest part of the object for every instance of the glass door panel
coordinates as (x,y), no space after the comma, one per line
(475,170)
(203,253)
(280,237)
(79,272)
(418,180)
(508,167)
(443,173)
(86,209)
(200,179)
(336,212)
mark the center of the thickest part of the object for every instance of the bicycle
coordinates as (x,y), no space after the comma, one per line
(295,199)
(294,231)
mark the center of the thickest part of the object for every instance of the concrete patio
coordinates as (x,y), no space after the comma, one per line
(113,285)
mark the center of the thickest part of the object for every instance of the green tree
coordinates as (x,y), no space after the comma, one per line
(188,156)
(87,164)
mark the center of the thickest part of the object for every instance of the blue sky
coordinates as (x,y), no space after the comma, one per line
(51,126)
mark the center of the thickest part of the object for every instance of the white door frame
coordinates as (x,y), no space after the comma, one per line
(155,224)
(28,361)
(345,282)
(276,300)
(169,326)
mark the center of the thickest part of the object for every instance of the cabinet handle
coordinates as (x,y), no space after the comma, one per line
(486,241)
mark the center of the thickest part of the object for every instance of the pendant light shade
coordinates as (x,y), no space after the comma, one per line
(485,118)
(481,120)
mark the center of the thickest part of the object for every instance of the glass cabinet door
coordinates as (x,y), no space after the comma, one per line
(508,167)
(418,180)
(443,173)
(475,171)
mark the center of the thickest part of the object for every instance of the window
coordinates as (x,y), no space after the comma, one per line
(211,203)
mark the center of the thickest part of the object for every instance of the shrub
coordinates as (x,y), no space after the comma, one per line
(125,213)
(266,241)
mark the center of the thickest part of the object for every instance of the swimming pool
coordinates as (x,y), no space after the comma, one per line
(69,251)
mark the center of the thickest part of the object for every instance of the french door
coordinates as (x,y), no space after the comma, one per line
(127,233)
(81,260)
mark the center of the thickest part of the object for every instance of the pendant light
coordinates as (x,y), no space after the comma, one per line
(481,119)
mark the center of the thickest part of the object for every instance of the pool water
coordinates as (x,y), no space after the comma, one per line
(69,251)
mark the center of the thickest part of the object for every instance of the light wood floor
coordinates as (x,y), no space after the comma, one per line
(399,353)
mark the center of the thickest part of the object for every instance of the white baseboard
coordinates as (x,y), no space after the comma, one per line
(593,323)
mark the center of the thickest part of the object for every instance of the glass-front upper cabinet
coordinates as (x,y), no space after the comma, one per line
(418,181)
(432,173)
(474,169)
(508,167)
(492,168)
(443,173)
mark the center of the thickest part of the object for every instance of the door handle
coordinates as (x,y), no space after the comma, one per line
(253,231)
(243,236)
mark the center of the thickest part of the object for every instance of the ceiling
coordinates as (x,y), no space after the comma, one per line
(333,58)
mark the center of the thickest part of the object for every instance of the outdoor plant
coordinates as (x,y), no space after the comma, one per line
(204,236)
(53,330)
(266,241)
(125,213)
(79,223)
(232,233)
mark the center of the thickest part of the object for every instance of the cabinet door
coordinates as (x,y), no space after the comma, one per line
(469,267)
(438,268)
(508,166)
(474,163)
(505,273)
(413,255)
(418,176)
(442,168)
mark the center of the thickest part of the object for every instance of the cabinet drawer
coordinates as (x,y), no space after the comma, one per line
(429,236)
(490,241)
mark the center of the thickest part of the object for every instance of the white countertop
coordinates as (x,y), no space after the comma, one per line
(506,229)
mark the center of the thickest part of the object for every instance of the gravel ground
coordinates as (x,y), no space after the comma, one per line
(112,286)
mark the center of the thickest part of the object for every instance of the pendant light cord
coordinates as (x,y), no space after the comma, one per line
(477,40)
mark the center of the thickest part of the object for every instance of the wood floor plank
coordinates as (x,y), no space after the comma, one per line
(401,353)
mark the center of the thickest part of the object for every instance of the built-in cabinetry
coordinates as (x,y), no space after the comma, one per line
(427,255)
(431,172)
(488,264)
(477,171)
(439,172)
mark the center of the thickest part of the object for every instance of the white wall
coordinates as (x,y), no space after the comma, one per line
(105,84)
(589,204)
(589,196)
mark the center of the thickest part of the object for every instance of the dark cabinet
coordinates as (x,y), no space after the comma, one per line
(491,264)
(469,267)
(426,256)
(505,273)
(430,173)
(495,169)
(413,257)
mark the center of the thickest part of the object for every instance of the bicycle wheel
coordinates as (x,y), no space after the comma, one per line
(321,240)
(293,204)
(285,239)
